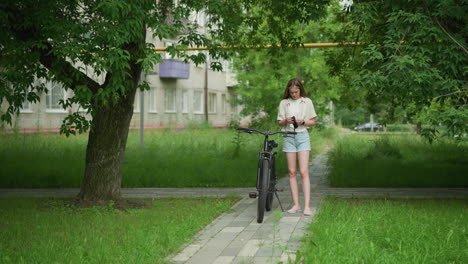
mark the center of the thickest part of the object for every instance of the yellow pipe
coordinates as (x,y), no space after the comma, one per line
(305,45)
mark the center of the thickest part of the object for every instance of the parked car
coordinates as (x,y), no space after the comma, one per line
(368,126)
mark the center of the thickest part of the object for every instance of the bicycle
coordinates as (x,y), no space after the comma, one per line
(266,175)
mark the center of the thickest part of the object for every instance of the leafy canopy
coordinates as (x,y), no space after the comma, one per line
(97,48)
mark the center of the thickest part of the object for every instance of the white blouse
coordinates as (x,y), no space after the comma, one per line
(302,109)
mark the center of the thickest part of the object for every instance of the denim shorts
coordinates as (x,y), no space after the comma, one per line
(297,143)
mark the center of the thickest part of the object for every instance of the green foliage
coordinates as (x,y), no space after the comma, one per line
(263,74)
(47,230)
(189,158)
(199,124)
(98,48)
(399,128)
(387,231)
(414,54)
(397,161)
(453,119)
(351,118)
(196,157)
(237,142)
(383,149)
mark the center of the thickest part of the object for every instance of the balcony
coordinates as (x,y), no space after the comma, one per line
(174,69)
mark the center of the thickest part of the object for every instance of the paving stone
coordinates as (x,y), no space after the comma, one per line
(243,260)
(263,233)
(244,236)
(232,229)
(288,257)
(252,227)
(290,219)
(242,224)
(233,249)
(224,260)
(199,259)
(217,244)
(263,260)
(187,252)
(225,236)
(268,251)
(250,248)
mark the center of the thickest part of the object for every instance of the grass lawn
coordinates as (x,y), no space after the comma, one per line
(367,160)
(388,231)
(169,158)
(52,231)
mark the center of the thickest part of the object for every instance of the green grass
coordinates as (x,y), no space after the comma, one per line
(397,161)
(51,231)
(388,231)
(190,158)
(399,128)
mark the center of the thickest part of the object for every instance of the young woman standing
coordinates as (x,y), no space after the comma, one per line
(297,107)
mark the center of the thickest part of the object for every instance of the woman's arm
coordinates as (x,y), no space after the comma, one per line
(310,122)
(285,121)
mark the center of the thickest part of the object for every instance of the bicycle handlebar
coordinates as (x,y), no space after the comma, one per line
(251,130)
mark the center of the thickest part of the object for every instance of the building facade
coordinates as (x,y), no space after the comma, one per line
(171,101)
(176,97)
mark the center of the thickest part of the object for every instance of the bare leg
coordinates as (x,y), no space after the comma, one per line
(303,157)
(291,158)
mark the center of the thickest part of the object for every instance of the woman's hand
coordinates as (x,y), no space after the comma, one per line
(284,122)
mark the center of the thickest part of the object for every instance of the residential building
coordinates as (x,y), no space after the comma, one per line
(176,97)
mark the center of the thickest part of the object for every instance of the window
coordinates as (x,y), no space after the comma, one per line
(26,107)
(212,103)
(170,100)
(185,101)
(201,19)
(226,65)
(198,102)
(55,93)
(136,102)
(152,100)
(223,104)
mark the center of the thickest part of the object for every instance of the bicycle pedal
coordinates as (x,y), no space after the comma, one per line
(279,190)
(253,195)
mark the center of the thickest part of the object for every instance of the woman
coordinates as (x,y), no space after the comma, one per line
(296,105)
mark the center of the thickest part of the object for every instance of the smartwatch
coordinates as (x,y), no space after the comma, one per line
(303,122)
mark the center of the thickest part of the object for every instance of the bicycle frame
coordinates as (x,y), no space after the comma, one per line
(266,175)
(266,154)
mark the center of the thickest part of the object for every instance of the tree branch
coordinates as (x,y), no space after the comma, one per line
(452,38)
(443,95)
(62,68)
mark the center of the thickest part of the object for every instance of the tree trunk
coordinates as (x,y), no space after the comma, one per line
(419,128)
(105,151)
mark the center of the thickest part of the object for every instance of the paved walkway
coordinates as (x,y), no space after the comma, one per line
(236,237)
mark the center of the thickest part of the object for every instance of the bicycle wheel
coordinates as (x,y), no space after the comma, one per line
(269,202)
(262,193)
(271,188)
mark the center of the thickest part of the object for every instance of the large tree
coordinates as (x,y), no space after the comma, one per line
(98,48)
(414,55)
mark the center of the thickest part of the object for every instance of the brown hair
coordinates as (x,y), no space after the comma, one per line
(294,83)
